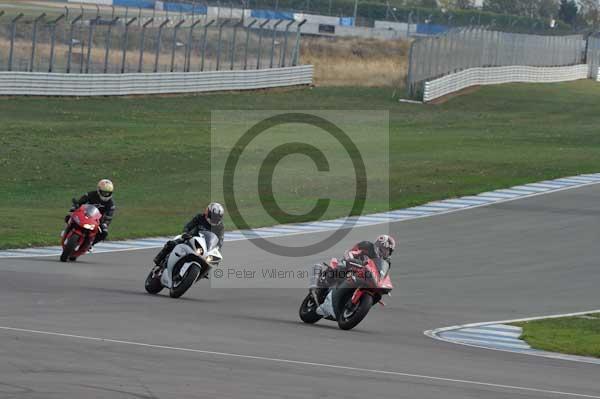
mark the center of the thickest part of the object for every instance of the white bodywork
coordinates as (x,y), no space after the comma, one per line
(206,246)
(326,308)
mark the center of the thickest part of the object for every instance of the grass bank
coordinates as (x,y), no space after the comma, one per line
(157,151)
(578,335)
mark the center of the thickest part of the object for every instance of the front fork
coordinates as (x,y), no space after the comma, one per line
(356,296)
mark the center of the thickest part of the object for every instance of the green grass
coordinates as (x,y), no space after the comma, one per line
(156,149)
(571,335)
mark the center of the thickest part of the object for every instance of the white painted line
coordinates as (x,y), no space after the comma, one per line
(446,204)
(531,188)
(430,209)
(482,331)
(545,186)
(480,198)
(502,327)
(497,196)
(580,179)
(409,212)
(304,363)
(459,335)
(572,181)
(466,202)
(513,191)
(487,343)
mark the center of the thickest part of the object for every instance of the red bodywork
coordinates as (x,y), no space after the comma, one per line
(368,280)
(85,223)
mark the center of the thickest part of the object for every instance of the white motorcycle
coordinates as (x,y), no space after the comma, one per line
(187,263)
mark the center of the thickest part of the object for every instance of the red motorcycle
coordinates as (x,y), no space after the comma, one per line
(82,227)
(356,288)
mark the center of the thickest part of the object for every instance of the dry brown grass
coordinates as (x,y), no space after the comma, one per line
(356,62)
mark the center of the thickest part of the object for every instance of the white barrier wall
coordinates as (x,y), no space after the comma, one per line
(61,84)
(598,75)
(498,75)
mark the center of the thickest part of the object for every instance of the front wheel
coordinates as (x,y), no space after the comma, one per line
(182,285)
(153,285)
(350,314)
(69,247)
(308,310)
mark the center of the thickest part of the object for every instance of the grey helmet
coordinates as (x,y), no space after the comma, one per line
(384,246)
(214,213)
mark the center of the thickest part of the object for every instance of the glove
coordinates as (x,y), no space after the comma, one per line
(186,236)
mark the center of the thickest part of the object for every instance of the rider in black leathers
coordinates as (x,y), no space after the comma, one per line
(210,220)
(101,198)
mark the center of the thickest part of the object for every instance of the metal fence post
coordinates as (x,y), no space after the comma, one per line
(158,42)
(188,50)
(204,43)
(126,42)
(53,41)
(285,43)
(273,42)
(93,23)
(13,31)
(219,42)
(260,36)
(69,54)
(175,42)
(108,42)
(34,39)
(296,55)
(235,28)
(409,75)
(142,45)
(247,43)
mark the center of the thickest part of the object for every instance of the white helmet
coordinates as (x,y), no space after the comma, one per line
(105,189)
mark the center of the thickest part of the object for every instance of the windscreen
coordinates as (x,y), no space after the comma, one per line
(90,211)
(211,240)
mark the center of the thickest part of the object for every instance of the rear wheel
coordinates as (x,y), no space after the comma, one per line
(69,247)
(153,285)
(180,286)
(308,310)
(349,315)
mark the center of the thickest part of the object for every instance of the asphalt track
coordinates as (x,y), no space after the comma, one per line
(523,258)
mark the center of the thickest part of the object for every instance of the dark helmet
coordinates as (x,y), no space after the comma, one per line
(214,213)
(384,246)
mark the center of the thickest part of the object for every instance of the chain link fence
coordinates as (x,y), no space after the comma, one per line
(465,48)
(72,42)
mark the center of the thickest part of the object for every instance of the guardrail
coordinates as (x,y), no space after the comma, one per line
(497,75)
(62,84)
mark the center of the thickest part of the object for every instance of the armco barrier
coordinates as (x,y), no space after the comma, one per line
(497,75)
(598,75)
(61,84)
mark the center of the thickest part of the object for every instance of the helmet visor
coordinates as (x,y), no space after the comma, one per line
(214,218)
(105,194)
(383,250)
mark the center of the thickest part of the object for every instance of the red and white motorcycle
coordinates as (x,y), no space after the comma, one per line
(356,288)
